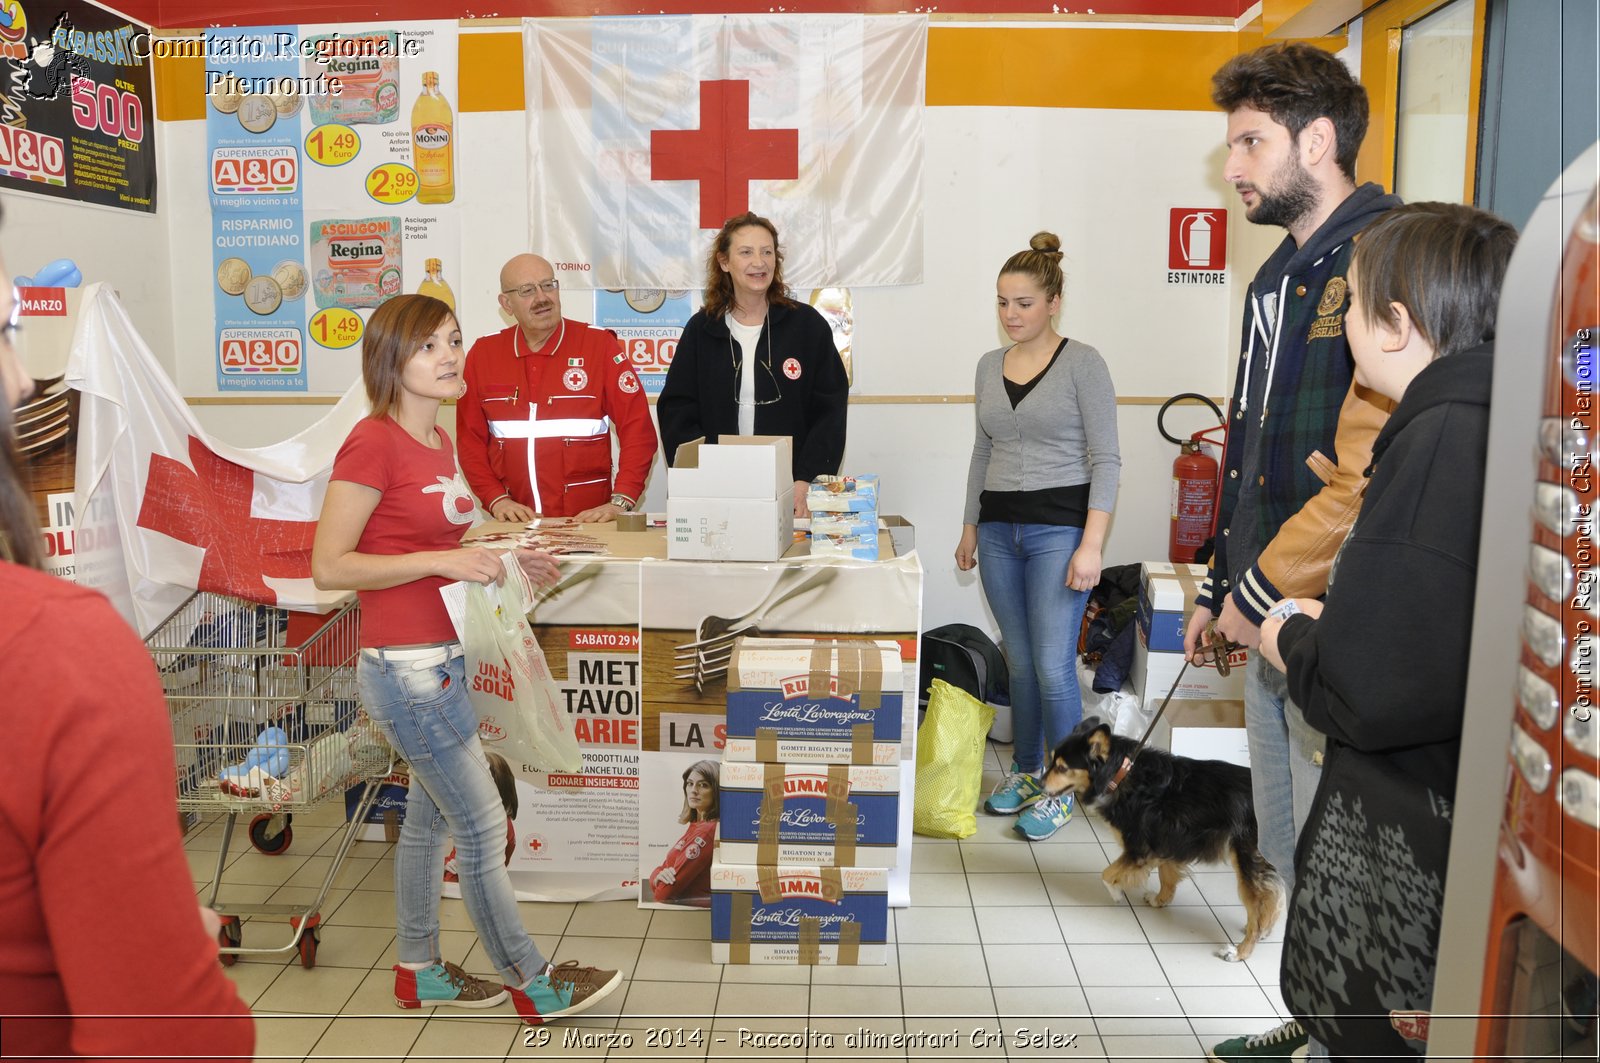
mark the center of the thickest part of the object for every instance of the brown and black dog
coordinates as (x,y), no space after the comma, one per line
(1169,812)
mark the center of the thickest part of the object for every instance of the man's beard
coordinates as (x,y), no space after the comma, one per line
(1293,199)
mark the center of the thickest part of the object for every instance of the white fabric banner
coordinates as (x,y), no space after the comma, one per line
(163,509)
(645,133)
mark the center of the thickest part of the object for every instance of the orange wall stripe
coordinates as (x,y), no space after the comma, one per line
(180,86)
(1140,70)
(491,72)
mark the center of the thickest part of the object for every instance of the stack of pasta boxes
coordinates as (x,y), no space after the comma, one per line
(844,516)
(810,802)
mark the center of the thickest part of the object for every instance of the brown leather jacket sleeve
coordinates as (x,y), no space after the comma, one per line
(1297,560)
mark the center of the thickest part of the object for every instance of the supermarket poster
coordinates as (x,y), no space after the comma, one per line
(331,156)
(77,115)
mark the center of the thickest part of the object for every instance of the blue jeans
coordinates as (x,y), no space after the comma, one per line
(1285,764)
(1024,572)
(421,707)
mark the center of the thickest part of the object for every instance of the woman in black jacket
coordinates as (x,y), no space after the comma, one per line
(1381,667)
(752,361)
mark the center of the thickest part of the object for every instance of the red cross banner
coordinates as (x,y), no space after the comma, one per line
(163,509)
(646,134)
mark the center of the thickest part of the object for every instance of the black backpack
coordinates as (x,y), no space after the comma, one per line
(964,657)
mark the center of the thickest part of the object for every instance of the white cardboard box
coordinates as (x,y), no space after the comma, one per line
(754,467)
(1204,730)
(729,529)
(1153,673)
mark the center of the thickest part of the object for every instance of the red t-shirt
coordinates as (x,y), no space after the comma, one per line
(690,860)
(101,943)
(425,506)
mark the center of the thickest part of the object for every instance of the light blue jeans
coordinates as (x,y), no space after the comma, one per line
(1024,572)
(421,707)
(1285,764)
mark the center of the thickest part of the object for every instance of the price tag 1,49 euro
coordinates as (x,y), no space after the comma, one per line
(393,182)
(336,328)
(332,144)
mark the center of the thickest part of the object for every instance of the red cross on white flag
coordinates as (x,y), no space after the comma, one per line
(646,134)
(163,509)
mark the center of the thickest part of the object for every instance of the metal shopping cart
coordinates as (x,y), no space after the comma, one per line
(265,720)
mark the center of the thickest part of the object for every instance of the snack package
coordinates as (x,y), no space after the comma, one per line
(367,67)
(843,494)
(355,262)
(861,547)
(833,524)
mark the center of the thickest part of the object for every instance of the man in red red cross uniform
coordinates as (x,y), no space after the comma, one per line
(542,398)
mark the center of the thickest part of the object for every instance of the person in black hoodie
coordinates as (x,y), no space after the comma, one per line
(753,361)
(1380,666)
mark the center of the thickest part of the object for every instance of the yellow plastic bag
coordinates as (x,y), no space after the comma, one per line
(950,745)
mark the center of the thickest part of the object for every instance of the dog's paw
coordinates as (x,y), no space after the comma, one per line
(1116,893)
(1154,899)
(1229,953)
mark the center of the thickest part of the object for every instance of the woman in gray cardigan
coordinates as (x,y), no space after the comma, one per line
(1040,490)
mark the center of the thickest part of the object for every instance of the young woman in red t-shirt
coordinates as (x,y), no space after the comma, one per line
(390,530)
(684,877)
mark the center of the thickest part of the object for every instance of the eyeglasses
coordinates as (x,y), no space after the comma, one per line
(549,287)
(766,367)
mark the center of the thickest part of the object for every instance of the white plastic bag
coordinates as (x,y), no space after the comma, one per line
(508,680)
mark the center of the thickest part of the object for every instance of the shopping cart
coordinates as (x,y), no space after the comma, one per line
(265,720)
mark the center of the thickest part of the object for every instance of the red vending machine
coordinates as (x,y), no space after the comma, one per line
(1539,991)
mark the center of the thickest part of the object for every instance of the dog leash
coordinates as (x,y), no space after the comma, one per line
(1216,649)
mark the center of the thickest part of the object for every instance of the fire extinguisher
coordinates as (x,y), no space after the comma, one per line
(1194,483)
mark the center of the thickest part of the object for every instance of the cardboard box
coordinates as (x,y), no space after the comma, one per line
(832,815)
(729,529)
(901,532)
(860,547)
(1153,673)
(1204,730)
(844,494)
(754,467)
(812,916)
(827,701)
(1166,602)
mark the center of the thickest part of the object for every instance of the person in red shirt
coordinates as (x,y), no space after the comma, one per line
(390,530)
(88,745)
(542,398)
(684,877)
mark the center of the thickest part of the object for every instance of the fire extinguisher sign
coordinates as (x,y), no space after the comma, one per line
(1197,245)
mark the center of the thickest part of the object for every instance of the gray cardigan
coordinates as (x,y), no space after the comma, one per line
(1064,433)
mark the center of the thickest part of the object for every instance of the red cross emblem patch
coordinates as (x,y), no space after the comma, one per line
(628,382)
(575,379)
(791,368)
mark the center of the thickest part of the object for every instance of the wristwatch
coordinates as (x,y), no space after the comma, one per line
(623,502)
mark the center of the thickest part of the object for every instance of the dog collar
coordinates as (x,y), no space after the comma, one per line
(1122,773)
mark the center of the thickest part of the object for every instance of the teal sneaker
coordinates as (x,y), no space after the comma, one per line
(1014,793)
(444,983)
(1288,1041)
(1044,818)
(562,990)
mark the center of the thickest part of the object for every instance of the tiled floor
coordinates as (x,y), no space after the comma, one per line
(1010,950)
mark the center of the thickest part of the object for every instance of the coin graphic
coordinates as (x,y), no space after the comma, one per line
(226,96)
(291,277)
(232,275)
(287,104)
(262,295)
(257,114)
(645,300)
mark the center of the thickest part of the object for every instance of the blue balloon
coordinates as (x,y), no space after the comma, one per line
(22,282)
(62,273)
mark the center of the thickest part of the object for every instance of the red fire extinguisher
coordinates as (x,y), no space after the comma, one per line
(1194,483)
